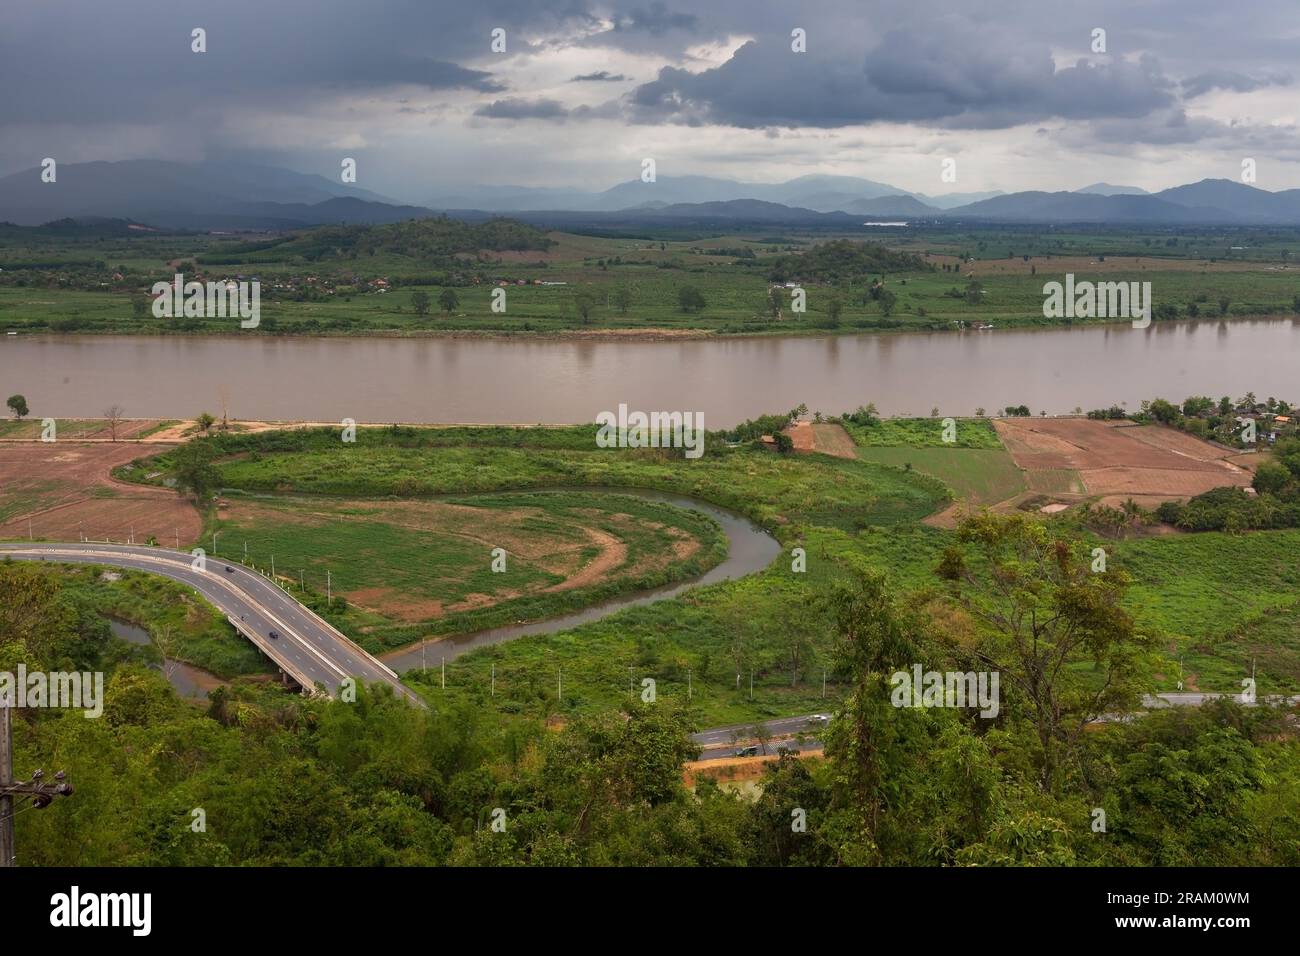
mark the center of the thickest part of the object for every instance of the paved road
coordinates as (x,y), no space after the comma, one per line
(309,649)
(716,743)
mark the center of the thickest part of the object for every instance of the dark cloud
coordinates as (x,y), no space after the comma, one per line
(656,20)
(516,108)
(942,75)
(1203,83)
(115,80)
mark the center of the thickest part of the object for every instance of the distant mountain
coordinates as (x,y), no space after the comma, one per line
(1106,189)
(179,195)
(953,200)
(741,210)
(1247,203)
(234,197)
(899,206)
(1083,207)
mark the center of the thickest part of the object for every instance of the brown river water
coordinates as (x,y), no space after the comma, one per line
(484,380)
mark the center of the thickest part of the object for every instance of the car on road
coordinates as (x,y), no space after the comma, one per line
(229,569)
(274,636)
(820,719)
(746,752)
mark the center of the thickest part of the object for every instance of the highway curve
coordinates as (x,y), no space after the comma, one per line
(307,648)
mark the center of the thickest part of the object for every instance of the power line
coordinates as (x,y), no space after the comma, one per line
(41,794)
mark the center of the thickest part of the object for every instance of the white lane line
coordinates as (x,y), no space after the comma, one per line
(213,579)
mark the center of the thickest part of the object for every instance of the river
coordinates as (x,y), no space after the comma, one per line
(521,380)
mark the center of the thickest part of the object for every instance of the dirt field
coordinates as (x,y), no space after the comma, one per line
(570,551)
(825,437)
(1147,463)
(65,490)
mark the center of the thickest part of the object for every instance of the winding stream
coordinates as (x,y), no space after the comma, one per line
(749,549)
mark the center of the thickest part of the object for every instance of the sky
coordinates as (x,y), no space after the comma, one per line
(584,91)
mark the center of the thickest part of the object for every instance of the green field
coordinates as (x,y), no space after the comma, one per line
(983,476)
(404,573)
(313,285)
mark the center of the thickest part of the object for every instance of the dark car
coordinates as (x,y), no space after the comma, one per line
(273,636)
(746,752)
(230,569)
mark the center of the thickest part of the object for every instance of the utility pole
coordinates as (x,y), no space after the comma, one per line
(559,683)
(688,684)
(178,539)
(302,586)
(444,673)
(329,592)
(245,552)
(41,794)
(272,567)
(214,541)
(751,683)
(823,683)
(494,680)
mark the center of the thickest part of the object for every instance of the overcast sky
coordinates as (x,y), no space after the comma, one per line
(586,89)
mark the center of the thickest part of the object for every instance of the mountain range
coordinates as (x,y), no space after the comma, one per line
(219,196)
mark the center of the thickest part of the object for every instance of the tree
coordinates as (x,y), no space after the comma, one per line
(584,302)
(763,734)
(1055,630)
(623,299)
(1224,302)
(833,309)
(194,470)
(114,415)
(420,302)
(875,636)
(18,405)
(887,301)
(690,299)
(205,421)
(775,301)
(449,300)
(1271,477)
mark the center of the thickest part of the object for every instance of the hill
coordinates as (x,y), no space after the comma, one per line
(434,241)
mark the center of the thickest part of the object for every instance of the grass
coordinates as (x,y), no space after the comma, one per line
(1196,270)
(1223,599)
(925,433)
(182,625)
(772,489)
(415,566)
(979,475)
(768,622)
